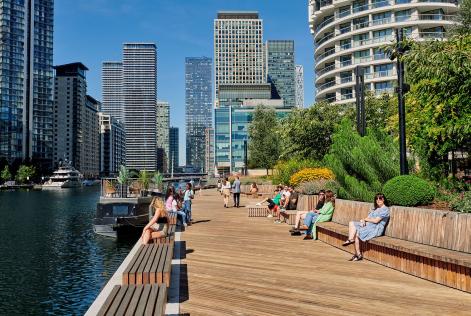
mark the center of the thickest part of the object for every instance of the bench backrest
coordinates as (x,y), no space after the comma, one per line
(306,202)
(262,188)
(444,229)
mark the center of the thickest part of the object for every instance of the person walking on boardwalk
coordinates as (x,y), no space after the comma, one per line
(236,191)
(187,197)
(158,225)
(226,191)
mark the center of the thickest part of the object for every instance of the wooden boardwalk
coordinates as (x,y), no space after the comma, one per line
(236,265)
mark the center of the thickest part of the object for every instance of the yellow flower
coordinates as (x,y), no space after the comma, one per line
(311,174)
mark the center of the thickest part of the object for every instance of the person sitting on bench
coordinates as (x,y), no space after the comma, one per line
(369,227)
(300,215)
(253,190)
(322,215)
(158,225)
(273,204)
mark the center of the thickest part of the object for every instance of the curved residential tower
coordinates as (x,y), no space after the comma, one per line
(349,33)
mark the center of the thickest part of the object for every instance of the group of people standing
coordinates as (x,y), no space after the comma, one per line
(226,188)
(178,202)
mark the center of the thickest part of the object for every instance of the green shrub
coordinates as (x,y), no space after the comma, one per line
(462,203)
(283,170)
(409,191)
(361,164)
(313,187)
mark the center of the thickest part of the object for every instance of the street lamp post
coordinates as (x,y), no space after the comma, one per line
(401,89)
(360,99)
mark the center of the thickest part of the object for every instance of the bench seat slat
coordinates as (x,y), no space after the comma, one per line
(431,252)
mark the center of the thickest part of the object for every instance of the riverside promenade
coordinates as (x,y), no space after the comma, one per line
(236,265)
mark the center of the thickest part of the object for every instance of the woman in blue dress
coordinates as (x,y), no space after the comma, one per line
(369,227)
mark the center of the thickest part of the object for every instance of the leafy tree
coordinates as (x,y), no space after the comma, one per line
(463,19)
(361,164)
(438,105)
(307,133)
(144,179)
(263,138)
(24,173)
(6,174)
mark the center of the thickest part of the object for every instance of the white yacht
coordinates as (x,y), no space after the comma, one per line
(65,177)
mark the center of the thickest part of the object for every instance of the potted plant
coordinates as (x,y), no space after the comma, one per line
(158,179)
(144,180)
(123,179)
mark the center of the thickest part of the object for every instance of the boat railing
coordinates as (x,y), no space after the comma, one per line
(133,187)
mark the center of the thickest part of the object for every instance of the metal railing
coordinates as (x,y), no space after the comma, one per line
(369,76)
(350,28)
(379,4)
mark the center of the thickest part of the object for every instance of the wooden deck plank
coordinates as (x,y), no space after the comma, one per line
(248,266)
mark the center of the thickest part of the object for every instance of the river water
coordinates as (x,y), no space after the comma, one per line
(51,262)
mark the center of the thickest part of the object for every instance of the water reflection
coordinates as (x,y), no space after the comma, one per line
(51,262)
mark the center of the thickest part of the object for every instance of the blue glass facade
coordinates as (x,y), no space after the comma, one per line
(26,107)
(281,71)
(198,111)
(231,130)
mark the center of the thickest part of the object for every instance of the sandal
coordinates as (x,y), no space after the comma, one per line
(348,242)
(356,258)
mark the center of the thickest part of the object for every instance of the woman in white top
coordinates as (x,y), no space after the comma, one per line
(226,191)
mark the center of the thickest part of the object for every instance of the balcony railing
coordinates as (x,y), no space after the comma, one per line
(346,79)
(347,29)
(326,85)
(379,4)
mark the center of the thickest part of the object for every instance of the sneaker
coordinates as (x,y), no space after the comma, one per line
(258,204)
(269,216)
(307,237)
(185,224)
(277,221)
(296,233)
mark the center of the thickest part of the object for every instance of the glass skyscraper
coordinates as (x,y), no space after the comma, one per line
(26,80)
(174,152)
(140,95)
(281,70)
(112,89)
(238,49)
(198,111)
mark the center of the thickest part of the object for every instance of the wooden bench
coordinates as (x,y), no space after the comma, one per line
(430,244)
(150,265)
(172,218)
(169,239)
(149,299)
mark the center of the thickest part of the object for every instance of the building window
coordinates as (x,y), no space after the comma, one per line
(403,15)
(344,11)
(381,18)
(345,77)
(345,44)
(346,93)
(359,5)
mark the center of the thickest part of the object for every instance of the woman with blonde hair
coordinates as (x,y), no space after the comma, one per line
(158,225)
(226,191)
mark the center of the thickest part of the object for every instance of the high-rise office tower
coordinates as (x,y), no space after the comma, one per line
(163,126)
(238,49)
(280,70)
(140,95)
(112,89)
(112,145)
(26,78)
(351,33)
(76,126)
(198,110)
(174,152)
(299,86)
(209,148)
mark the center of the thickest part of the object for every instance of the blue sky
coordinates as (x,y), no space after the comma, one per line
(92,31)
